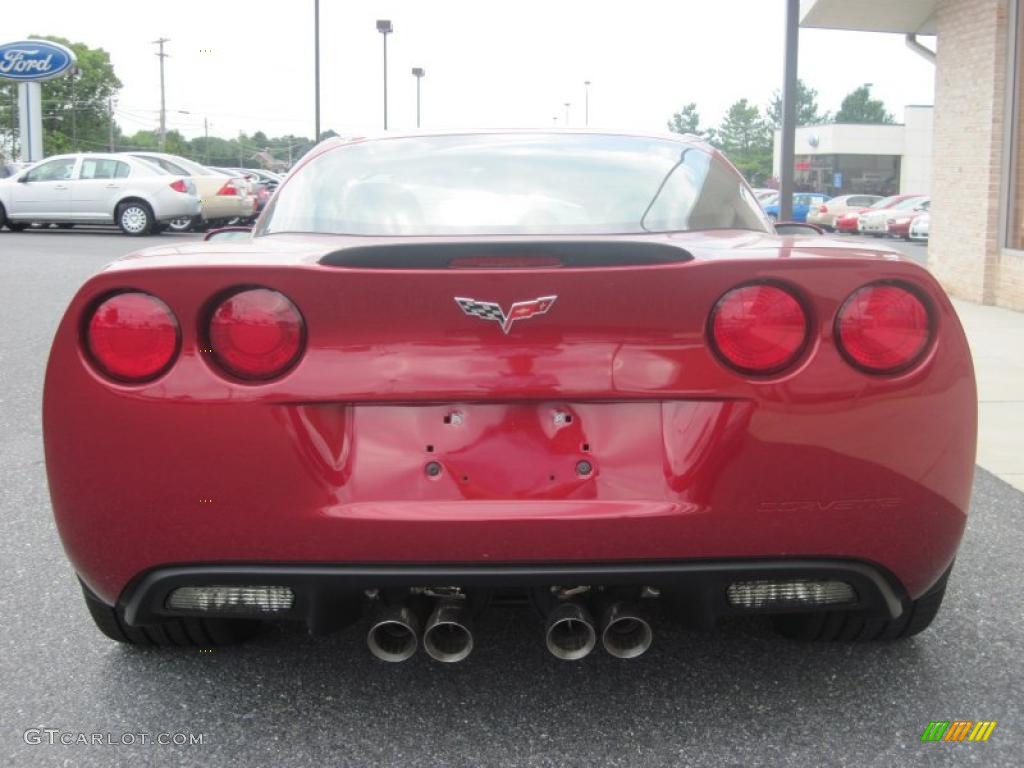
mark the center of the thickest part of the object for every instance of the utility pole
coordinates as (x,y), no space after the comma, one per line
(163,105)
(316,67)
(241,160)
(789,96)
(74,112)
(206,140)
(110,122)
(567,105)
(586,104)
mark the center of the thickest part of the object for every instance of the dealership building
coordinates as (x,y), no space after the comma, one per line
(843,158)
(977,178)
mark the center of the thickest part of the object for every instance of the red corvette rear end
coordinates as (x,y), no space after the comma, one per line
(425,387)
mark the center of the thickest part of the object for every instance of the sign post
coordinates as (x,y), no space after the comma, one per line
(29,62)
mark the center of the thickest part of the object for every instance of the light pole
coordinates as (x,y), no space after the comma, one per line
(418,73)
(567,105)
(586,104)
(206,136)
(316,68)
(163,107)
(385,28)
(74,111)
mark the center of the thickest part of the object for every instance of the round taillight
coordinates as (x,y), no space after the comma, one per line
(883,328)
(256,334)
(758,329)
(132,337)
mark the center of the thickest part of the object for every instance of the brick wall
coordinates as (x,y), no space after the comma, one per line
(964,252)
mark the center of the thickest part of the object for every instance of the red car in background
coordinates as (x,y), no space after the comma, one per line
(578,371)
(899,224)
(848,223)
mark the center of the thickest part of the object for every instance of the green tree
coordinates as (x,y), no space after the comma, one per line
(150,141)
(746,139)
(76,108)
(859,107)
(806,107)
(686,120)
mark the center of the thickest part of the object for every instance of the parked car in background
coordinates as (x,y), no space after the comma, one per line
(876,222)
(802,204)
(919,227)
(764,194)
(848,222)
(223,197)
(825,215)
(96,189)
(262,183)
(12,168)
(898,225)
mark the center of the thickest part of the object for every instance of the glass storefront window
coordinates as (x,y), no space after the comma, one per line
(848,174)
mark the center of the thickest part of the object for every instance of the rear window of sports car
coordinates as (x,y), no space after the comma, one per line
(513,184)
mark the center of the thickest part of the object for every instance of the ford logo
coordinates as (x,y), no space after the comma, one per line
(28,60)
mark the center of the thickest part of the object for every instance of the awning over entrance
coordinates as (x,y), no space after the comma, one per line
(902,16)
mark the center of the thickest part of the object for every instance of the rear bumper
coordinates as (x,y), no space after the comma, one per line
(168,205)
(699,588)
(688,462)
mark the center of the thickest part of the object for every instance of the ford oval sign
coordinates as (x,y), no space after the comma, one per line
(31,60)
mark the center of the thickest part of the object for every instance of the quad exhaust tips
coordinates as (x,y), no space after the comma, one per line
(569,632)
(448,636)
(394,633)
(625,634)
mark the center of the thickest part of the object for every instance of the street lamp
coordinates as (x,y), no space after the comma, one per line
(385,28)
(586,104)
(418,73)
(567,105)
(206,135)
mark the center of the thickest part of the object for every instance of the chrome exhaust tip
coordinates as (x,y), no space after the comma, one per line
(569,633)
(625,634)
(393,635)
(448,636)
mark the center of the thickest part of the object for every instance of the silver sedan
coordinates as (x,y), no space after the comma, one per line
(96,189)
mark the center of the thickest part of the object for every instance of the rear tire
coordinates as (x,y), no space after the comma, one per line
(135,218)
(180,633)
(183,224)
(850,626)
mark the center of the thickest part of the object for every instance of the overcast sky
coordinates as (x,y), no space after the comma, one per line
(488,64)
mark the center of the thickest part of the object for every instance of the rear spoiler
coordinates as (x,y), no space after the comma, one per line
(506,254)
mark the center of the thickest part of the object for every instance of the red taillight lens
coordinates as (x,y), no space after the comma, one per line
(229,188)
(132,337)
(883,328)
(257,334)
(179,186)
(759,328)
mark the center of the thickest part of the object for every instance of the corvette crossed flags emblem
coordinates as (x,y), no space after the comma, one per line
(521,310)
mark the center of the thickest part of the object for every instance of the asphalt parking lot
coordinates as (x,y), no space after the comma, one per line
(737,697)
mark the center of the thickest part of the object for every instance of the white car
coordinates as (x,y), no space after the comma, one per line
(96,189)
(875,222)
(919,226)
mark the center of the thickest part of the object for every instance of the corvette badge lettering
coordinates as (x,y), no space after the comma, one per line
(521,310)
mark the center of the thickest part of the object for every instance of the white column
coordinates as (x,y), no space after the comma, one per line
(30,121)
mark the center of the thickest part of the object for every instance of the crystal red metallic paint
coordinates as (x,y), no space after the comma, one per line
(691,460)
